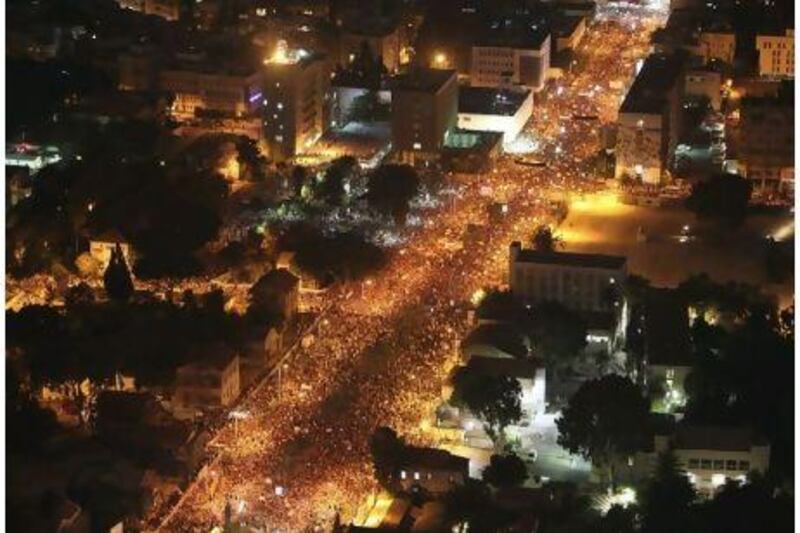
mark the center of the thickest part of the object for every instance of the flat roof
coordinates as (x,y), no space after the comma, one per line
(490,101)
(423,79)
(666,336)
(724,438)
(434,458)
(521,32)
(648,94)
(499,366)
(565,25)
(611,262)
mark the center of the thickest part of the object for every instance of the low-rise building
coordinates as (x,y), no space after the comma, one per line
(704,83)
(424,113)
(648,122)
(667,344)
(277,292)
(381,37)
(102,246)
(211,381)
(203,86)
(432,470)
(579,281)
(776,53)
(488,109)
(717,44)
(31,156)
(512,52)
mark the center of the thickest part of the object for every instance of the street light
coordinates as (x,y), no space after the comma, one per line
(440,60)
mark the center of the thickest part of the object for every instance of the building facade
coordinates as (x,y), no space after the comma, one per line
(433,470)
(648,120)
(211,383)
(577,281)
(717,45)
(505,111)
(200,88)
(424,112)
(776,54)
(296,100)
(504,66)
(383,41)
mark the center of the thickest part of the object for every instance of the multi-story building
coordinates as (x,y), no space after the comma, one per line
(382,37)
(568,31)
(776,54)
(436,471)
(424,112)
(719,45)
(576,280)
(648,122)
(705,82)
(296,100)
(501,110)
(511,53)
(202,87)
(212,381)
(166,9)
(766,140)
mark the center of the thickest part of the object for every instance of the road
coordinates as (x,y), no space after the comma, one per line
(381,359)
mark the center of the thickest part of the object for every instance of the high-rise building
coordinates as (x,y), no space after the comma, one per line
(424,112)
(296,97)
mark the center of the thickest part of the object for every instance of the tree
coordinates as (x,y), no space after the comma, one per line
(117,278)
(544,240)
(298,179)
(250,159)
(604,419)
(747,507)
(618,519)
(494,399)
(557,334)
(505,471)
(332,187)
(391,188)
(387,451)
(668,498)
(722,197)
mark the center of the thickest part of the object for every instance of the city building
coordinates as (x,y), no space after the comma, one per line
(530,375)
(776,54)
(296,101)
(31,156)
(211,381)
(511,52)
(704,82)
(578,281)
(717,44)
(204,87)
(766,140)
(569,31)
(471,152)
(433,470)
(713,454)
(19,185)
(279,290)
(166,9)
(502,110)
(102,246)
(381,37)
(648,121)
(424,113)
(667,344)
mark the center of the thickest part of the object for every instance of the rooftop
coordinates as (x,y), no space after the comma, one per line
(688,437)
(584,260)
(667,339)
(658,76)
(434,459)
(490,101)
(521,32)
(422,79)
(496,366)
(565,25)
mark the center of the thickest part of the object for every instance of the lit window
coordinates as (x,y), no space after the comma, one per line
(731,464)
(717,480)
(402,474)
(640,123)
(280,105)
(638,169)
(417,146)
(279,138)
(416,476)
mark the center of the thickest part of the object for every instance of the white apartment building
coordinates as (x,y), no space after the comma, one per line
(502,110)
(776,54)
(576,280)
(508,54)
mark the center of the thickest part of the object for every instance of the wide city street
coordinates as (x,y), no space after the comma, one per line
(297,455)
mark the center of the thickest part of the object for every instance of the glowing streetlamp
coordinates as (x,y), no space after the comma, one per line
(440,60)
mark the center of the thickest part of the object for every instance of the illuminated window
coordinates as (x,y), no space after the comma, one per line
(731,464)
(417,146)
(718,480)
(402,474)
(416,476)
(279,138)
(638,169)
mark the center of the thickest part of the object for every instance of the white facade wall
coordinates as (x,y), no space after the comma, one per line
(509,125)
